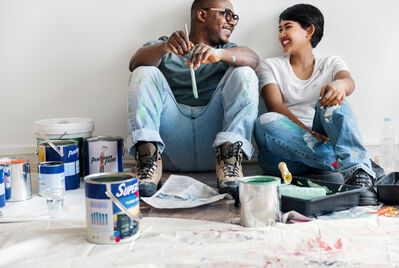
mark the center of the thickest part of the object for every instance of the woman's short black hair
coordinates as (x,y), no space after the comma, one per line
(306,15)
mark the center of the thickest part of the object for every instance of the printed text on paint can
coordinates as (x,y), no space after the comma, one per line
(124,191)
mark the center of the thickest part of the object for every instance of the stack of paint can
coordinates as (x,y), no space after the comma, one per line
(103,154)
(17,181)
(2,188)
(68,155)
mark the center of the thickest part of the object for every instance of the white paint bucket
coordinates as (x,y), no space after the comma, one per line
(66,129)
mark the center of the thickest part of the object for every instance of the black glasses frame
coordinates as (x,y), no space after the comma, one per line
(229,15)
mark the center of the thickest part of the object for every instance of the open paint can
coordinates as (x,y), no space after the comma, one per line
(18,177)
(112,208)
(260,201)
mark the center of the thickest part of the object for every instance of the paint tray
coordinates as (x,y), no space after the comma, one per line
(339,197)
(388,188)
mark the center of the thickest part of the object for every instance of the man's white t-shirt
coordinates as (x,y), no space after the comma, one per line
(300,96)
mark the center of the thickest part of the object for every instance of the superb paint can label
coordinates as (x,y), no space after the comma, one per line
(70,158)
(51,176)
(103,154)
(6,176)
(106,219)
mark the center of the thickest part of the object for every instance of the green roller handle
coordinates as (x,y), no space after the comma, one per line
(302,192)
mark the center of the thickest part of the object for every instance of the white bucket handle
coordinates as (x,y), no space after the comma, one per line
(108,193)
(51,144)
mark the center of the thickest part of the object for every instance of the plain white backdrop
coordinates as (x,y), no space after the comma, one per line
(69,58)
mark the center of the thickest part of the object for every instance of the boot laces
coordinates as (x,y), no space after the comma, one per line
(147,169)
(229,169)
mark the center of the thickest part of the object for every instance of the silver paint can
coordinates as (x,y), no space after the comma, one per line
(260,201)
(19,180)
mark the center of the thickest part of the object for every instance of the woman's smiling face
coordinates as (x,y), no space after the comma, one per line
(292,36)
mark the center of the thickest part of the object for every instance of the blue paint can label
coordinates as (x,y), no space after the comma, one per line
(2,188)
(6,176)
(70,158)
(103,154)
(106,222)
(51,176)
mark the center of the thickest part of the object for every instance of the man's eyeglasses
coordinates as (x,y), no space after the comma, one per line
(229,15)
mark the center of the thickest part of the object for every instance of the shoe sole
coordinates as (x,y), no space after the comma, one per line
(149,189)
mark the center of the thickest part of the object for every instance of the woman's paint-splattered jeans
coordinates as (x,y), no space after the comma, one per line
(280,139)
(187,136)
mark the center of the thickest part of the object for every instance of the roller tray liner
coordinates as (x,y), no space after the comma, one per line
(388,188)
(339,197)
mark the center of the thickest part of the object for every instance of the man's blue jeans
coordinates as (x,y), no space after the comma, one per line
(187,136)
(280,139)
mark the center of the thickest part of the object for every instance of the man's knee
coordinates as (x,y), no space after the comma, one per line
(245,73)
(144,72)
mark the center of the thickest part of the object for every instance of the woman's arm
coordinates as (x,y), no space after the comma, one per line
(336,91)
(274,102)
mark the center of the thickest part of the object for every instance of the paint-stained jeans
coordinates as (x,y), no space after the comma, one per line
(280,139)
(187,136)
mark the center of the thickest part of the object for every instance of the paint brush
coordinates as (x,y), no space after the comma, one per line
(193,82)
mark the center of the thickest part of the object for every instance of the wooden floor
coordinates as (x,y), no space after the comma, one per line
(221,211)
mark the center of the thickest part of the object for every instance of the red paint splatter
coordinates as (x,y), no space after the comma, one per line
(293,138)
(335,164)
(137,194)
(338,245)
(267,263)
(278,259)
(117,239)
(322,244)
(195,233)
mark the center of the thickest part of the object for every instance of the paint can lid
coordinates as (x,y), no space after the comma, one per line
(68,127)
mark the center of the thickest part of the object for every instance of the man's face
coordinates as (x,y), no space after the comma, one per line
(218,28)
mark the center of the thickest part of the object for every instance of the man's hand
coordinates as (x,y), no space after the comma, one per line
(204,54)
(333,93)
(179,44)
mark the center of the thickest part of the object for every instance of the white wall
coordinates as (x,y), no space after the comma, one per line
(69,58)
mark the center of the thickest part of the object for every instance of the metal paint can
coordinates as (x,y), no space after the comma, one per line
(260,201)
(19,179)
(112,207)
(51,176)
(103,154)
(2,188)
(6,174)
(70,149)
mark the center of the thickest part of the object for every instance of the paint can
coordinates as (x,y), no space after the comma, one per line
(70,158)
(260,201)
(112,207)
(51,176)
(6,175)
(2,188)
(103,154)
(76,129)
(19,179)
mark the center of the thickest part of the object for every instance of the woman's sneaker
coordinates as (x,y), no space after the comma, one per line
(368,196)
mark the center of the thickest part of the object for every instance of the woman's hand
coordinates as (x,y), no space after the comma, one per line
(319,137)
(333,93)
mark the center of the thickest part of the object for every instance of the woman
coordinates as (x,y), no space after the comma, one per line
(310,126)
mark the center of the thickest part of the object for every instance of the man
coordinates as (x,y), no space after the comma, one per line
(164,118)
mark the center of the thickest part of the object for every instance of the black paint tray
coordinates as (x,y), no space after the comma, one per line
(388,188)
(339,197)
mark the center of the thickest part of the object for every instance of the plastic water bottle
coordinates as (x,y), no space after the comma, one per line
(387,145)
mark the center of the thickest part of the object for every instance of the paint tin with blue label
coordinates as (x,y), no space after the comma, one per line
(103,154)
(51,176)
(70,158)
(6,175)
(2,188)
(112,207)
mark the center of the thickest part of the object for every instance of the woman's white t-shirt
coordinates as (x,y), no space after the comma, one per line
(300,96)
